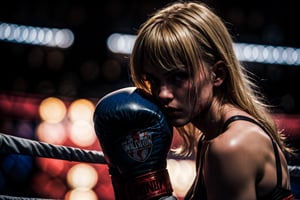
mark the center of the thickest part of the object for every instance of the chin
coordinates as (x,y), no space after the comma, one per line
(179,122)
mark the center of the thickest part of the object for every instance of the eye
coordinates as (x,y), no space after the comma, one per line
(178,77)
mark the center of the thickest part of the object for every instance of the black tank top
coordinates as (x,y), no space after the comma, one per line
(198,191)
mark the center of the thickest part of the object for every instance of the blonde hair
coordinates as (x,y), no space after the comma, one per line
(184,33)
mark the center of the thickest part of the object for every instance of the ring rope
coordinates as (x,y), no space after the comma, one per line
(18,145)
(294,170)
(12,144)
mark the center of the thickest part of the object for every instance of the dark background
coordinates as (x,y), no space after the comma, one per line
(87,69)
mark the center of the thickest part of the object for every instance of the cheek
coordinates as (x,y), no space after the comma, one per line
(204,97)
(185,93)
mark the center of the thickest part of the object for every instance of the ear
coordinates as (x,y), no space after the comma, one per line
(219,72)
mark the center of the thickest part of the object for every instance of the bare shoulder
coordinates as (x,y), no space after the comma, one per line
(242,137)
(237,159)
(244,149)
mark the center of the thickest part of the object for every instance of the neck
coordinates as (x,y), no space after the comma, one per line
(210,123)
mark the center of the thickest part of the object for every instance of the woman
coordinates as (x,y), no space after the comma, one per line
(183,56)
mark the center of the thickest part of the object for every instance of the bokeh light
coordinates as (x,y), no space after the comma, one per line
(37,62)
(52,37)
(81,109)
(82,176)
(53,133)
(81,194)
(82,133)
(52,110)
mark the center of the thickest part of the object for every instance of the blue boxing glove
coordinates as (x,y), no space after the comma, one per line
(135,138)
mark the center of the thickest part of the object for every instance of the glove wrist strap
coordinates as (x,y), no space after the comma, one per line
(145,187)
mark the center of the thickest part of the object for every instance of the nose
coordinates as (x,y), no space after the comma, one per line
(165,94)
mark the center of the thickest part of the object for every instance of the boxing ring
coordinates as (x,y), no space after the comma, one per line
(16,145)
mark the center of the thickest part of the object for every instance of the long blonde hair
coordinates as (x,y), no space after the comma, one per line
(184,33)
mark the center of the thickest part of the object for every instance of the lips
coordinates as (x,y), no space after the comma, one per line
(172,112)
(176,116)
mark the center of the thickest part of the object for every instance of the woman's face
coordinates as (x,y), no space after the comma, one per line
(175,92)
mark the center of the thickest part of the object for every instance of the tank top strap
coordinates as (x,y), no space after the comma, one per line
(277,157)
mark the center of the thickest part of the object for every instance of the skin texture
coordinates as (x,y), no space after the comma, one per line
(184,56)
(232,167)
